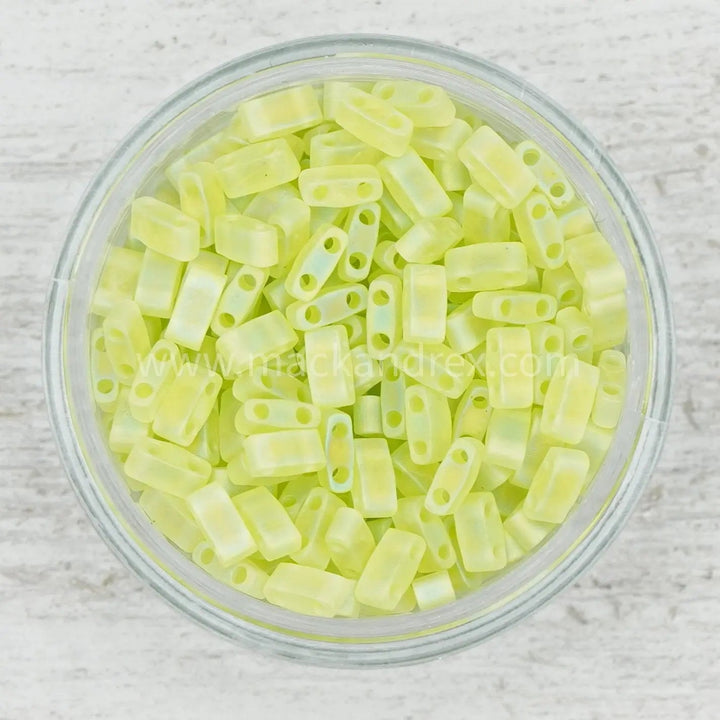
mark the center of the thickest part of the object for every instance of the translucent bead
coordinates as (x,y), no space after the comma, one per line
(321,216)
(413,186)
(266,415)
(338,472)
(186,403)
(313,522)
(265,382)
(241,476)
(171,517)
(440,143)
(295,491)
(535,450)
(390,569)
(277,297)
(610,396)
(480,533)
(548,348)
(388,259)
(392,401)
(210,261)
(362,231)
(494,166)
(202,198)
(340,185)
(412,516)
(486,266)
(328,307)
(569,400)
(513,551)
(207,151)
(166,467)
(608,318)
(157,284)
(367,416)
(433,590)
(164,228)
(532,282)
(126,339)
(392,215)
(195,306)
(104,381)
(507,436)
(563,286)
(367,371)
(484,218)
(514,306)
(491,476)
(464,330)
(255,342)
(341,148)
(308,590)
(268,523)
(331,93)
(578,332)
(373,489)
(229,439)
(576,220)
(435,366)
(473,412)
(246,240)
(455,476)
(379,527)
(551,180)
(428,424)
(509,367)
(245,576)
(595,444)
(207,443)
(239,299)
(508,497)
(355,326)
(373,120)
(540,232)
(125,430)
(452,175)
(278,113)
(426,105)
(462,580)
(428,239)
(329,367)
(284,453)
(263,205)
(384,315)
(411,479)
(476,358)
(423,303)
(315,263)
(595,265)
(350,542)
(118,279)
(258,167)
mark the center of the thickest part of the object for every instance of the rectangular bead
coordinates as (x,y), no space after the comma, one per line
(338,186)
(548,348)
(104,381)
(265,382)
(509,367)
(202,198)
(424,303)
(540,232)
(480,533)
(551,180)
(125,430)
(535,450)
(126,339)
(411,478)
(486,266)
(455,477)
(172,518)
(527,533)
(295,491)
(428,239)
(577,330)
(507,437)
(329,367)
(229,439)
(164,228)
(610,396)
(428,424)
(440,143)
(367,372)
(384,315)
(239,300)
(338,473)
(464,330)
(284,453)
(373,491)
(313,522)
(426,105)
(158,284)
(350,542)
(483,218)
(518,307)
(246,240)
(595,264)
(362,227)
(118,279)
(392,401)
(392,215)
(268,414)
(367,416)
(433,590)
(472,414)
(328,307)
(562,284)
(339,147)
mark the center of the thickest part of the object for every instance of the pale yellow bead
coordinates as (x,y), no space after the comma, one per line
(338,473)
(480,533)
(257,167)
(424,303)
(413,186)
(411,479)
(514,306)
(126,339)
(322,216)
(508,497)
(435,366)
(595,264)
(535,451)
(392,401)
(247,240)
(367,416)
(104,381)
(486,266)
(595,444)
(313,522)
(465,331)
(452,175)
(507,437)
(462,580)
(576,219)
(562,284)
(428,424)
(373,120)
(240,475)
(494,166)
(340,185)
(551,180)
(166,467)
(512,549)
(491,477)
(392,215)
(373,490)
(164,228)
(328,307)
(339,147)
(239,299)
(247,577)
(540,232)
(207,442)
(569,400)
(255,342)
(379,526)
(202,198)
(548,348)
(578,332)
(157,284)
(384,315)
(361,227)
(608,318)
(265,382)
(308,590)
(125,430)
(329,367)
(473,412)
(207,151)
(426,105)
(484,219)
(390,569)
(509,367)
(610,396)
(533,280)
(295,491)
(433,590)
(440,143)
(350,541)
(172,518)
(284,453)
(118,279)
(276,295)
(229,439)
(331,93)
(268,414)
(210,261)
(428,239)
(412,516)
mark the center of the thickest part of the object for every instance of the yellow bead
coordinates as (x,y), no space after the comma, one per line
(611,389)
(118,279)
(390,569)
(413,186)
(540,232)
(384,315)
(350,541)
(172,518)
(164,228)
(104,381)
(548,348)
(340,185)
(295,491)
(578,332)
(379,526)
(268,523)
(264,382)
(494,166)
(284,453)
(507,437)
(576,220)
(595,444)
(373,490)
(440,143)
(166,467)
(362,230)
(158,283)
(424,303)
(484,219)
(328,307)
(426,105)
(492,476)
(329,367)
(535,451)
(228,437)
(322,216)
(392,215)
(338,473)
(473,412)
(480,533)
(367,371)
(373,120)
(465,331)
(202,198)
(266,415)
(255,342)
(452,175)
(512,549)
(455,476)
(245,576)
(278,113)
(308,590)
(562,284)
(508,497)
(126,340)
(246,240)
(435,366)
(595,264)
(258,167)
(341,148)
(509,367)
(411,479)
(277,297)
(412,516)
(367,416)
(207,151)
(392,401)
(551,180)
(569,400)
(125,430)
(428,424)
(428,239)
(313,521)
(486,266)
(608,319)
(239,299)
(514,306)
(239,475)
(207,442)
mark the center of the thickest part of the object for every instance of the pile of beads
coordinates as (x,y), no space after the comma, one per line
(359,354)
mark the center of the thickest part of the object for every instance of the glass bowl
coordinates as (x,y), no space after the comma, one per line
(514,108)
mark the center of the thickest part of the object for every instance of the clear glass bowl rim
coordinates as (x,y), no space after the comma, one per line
(433,642)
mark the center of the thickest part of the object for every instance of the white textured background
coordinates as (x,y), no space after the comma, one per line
(637,637)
